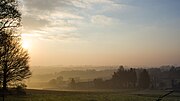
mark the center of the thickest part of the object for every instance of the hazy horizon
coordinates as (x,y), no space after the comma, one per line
(89,50)
(101,32)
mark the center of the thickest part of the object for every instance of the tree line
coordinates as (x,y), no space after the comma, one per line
(121,79)
(135,78)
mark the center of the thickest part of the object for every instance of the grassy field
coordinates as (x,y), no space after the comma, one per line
(124,95)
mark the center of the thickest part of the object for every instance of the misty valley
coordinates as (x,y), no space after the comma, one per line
(89,50)
(106,78)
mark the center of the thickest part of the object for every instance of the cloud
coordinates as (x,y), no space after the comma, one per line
(31,23)
(57,37)
(103,5)
(45,4)
(88,3)
(43,35)
(102,20)
(48,18)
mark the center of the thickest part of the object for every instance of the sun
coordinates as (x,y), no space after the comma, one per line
(25,44)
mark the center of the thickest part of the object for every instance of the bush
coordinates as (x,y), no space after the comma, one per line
(20,90)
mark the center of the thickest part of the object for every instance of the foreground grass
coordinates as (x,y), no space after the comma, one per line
(38,95)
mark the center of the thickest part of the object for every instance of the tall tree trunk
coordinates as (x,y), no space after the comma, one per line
(5,77)
(4,82)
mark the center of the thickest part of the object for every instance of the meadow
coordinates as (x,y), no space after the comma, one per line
(123,95)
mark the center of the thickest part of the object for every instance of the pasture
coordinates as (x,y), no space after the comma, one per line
(123,95)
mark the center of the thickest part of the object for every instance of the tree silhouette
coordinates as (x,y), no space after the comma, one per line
(124,78)
(13,58)
(10,16)
(72,83)
(98,83)
(118,78)
(144,79)
(132,77)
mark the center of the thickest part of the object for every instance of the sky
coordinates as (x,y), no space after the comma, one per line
(102,32)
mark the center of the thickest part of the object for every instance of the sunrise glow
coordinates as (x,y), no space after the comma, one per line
(25,44)
(101,32)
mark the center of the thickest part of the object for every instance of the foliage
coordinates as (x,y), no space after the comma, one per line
(144,79)
(13,58)
(10,17)
(124,78)
(72,83)
(20,90)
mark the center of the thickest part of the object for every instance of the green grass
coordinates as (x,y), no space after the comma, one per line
(38,95)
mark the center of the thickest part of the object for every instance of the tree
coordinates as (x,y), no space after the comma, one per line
(13,60)
(124,78)
(10,16)
(72,83)
(132,77)
(144,79)
(118,78)
(14,66)
(99,83)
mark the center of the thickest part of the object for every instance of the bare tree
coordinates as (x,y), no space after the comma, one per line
(13,58)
